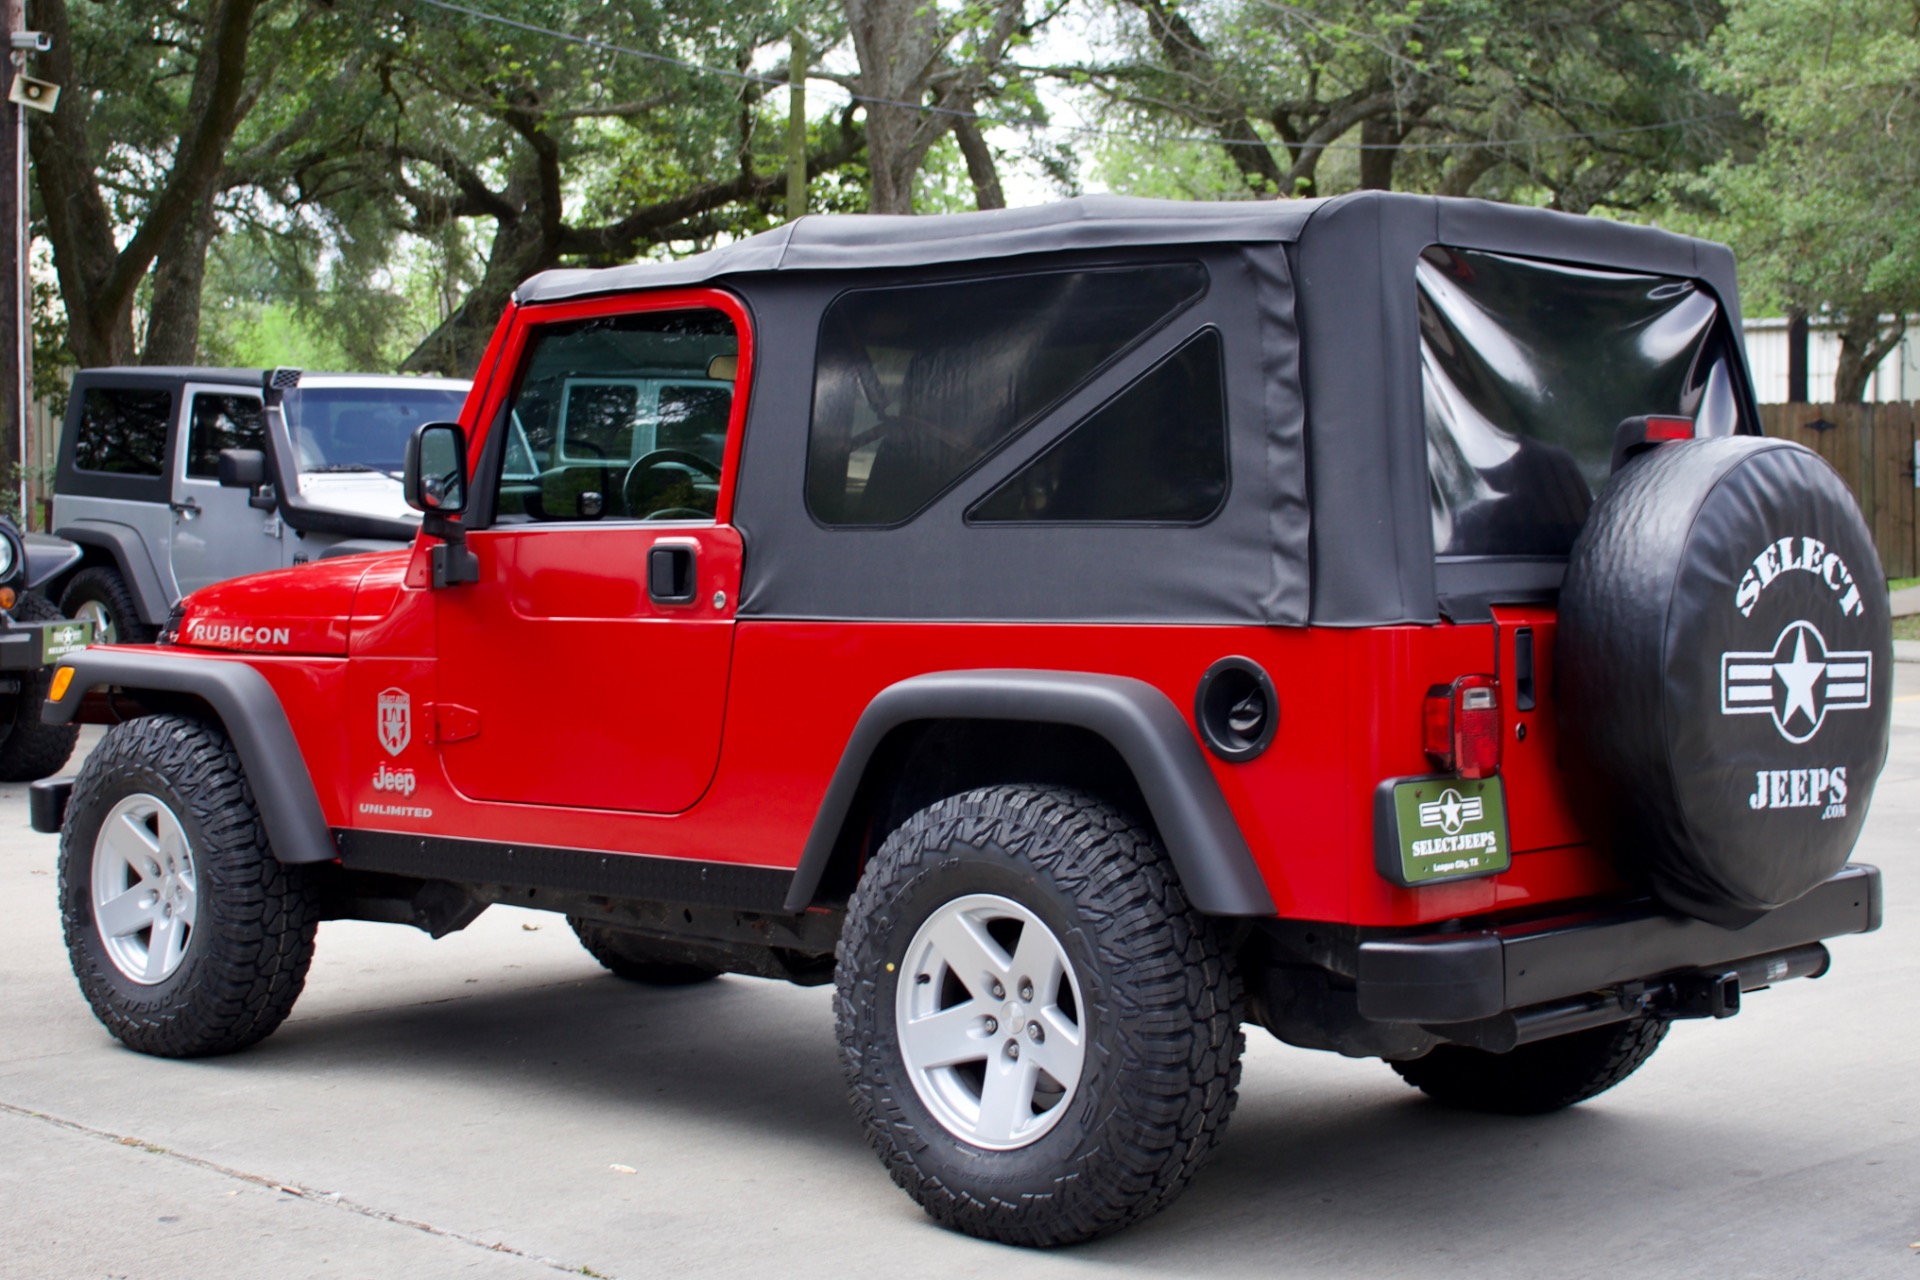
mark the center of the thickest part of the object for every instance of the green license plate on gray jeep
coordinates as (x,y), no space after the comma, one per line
(58,639)
(1436,829)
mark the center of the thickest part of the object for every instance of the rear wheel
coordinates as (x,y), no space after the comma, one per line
(187,936)
(1041,1035)
(656,962)
(31,749)
(1536,1078)
(99,595)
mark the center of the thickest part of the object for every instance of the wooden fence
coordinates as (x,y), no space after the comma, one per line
(1871,446)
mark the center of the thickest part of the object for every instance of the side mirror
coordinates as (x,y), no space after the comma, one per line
(242,468)
(436,473)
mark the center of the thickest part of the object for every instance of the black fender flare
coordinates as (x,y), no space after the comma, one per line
(250,712)
(131,558)
(1216,867)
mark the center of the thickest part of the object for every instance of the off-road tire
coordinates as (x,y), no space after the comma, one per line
(640,959)
(1536,1078)
(105,587)
(1160,1022)
(246,958)
(31,749)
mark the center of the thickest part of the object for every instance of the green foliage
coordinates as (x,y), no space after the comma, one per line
(1825,215)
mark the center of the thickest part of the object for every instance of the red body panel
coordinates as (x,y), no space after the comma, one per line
(553,703)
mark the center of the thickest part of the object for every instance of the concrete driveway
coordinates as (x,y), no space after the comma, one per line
(493,1104)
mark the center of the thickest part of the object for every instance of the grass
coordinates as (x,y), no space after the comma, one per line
(1901,584)
(1907,628)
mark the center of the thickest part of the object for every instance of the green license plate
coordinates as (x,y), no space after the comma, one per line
(59,639)
(1430,830)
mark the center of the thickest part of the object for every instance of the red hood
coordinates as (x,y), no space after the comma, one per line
(303,610)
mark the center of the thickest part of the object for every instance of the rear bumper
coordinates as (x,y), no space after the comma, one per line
(1446,978)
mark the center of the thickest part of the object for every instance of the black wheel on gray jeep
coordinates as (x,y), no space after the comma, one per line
(29,748)
(1042,1037)
(187,936)
(656,962)
(1724,668)
(1536,1078)
(99,595)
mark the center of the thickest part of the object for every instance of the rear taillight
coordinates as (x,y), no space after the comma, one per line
(1460,727)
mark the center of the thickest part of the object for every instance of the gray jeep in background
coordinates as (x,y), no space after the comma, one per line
(143,488)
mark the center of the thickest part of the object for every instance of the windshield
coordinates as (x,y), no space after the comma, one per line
(363,428)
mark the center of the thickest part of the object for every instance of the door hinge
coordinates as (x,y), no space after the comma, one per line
(454,723)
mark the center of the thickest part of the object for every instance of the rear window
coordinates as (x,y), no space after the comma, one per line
(915,385)
(1527,367)
(123,431)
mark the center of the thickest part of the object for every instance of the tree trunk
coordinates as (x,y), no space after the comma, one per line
(97,284)
(180,272)
(1864,343)
(987,192)
(454,349)
(896,42)
(1378,135)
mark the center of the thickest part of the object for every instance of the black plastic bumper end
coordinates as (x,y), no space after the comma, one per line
(47,804)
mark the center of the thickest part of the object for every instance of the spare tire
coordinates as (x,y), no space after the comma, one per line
(1724,673)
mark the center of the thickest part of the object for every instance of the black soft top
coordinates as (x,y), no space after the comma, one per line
(1329,518)
(840,242)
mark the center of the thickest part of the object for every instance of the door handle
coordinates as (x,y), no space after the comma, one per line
(189,508)
(671,572)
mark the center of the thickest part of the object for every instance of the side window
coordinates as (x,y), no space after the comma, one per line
(123,431)
(621,418)
(915,385)
(1155,453)
(221,422)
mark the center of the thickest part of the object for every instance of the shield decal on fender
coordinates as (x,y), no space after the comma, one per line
(396,720)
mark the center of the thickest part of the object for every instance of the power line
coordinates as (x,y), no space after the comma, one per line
(751,77)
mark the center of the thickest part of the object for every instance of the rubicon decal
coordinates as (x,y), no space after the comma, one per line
(1803,555)
(200,631)
(395,720)
(1797,682)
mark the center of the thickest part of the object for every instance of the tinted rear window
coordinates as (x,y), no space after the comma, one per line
(1154,454)
(916,385)
(123,431)
(1528,366)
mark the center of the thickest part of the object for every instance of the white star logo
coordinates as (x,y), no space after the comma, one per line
(1450,811)
(1797,691)
(1798,676)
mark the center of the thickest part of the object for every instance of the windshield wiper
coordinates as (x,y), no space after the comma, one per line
(339,466)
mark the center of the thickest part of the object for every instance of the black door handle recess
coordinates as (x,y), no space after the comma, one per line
(670,572)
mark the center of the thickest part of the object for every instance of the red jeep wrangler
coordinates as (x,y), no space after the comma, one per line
(1073,632)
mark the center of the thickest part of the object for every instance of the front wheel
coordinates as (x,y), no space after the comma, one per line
(100,595)
(187,936)
(1536,1078)
(1042,1037)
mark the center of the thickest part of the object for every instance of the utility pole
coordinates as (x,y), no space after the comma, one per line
(797,123)
(16,243)
(16,395)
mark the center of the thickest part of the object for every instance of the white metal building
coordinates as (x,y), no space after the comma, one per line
(1897,378)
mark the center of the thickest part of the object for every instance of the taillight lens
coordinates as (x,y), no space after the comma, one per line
(1664,429)
(1460,727)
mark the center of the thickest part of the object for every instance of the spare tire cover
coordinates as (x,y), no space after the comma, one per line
(1724,667)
